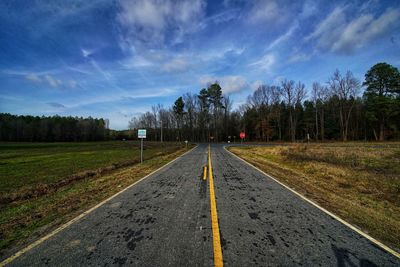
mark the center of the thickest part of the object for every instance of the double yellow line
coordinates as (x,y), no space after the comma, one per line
(218,261)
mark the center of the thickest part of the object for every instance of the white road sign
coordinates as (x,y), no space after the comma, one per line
(141,133)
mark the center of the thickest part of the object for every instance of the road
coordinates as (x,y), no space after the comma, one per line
(165,220)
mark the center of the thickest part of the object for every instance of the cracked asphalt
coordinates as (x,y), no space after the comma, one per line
(165,221)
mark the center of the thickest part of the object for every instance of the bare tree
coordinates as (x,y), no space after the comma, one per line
(320,95)
(227,103)
(293,96)
(346,89)
(190,107)
(154,110)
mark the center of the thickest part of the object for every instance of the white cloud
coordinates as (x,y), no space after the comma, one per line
(309,8)
(86,52)
(328,30)
(284,37)
(51,81)
(33,77)
(369,5)
(298,56)
(137,62)
(72,83)
(220,52)
(364,29)
(146,13)
(266,11)
(339,34)
(265,63)
(229,84)
(175,65)
(150,22)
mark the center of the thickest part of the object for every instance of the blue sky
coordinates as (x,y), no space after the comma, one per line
(115,59)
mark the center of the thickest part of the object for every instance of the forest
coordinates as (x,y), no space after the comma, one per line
(343,108)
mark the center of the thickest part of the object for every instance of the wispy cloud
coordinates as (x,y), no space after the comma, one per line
(337,33)
(298,57)
(265,63)
(284,37)
(267,12)
(33,77)
(151,22)
(86,52)
(175,65)
(52,81)
(365,29)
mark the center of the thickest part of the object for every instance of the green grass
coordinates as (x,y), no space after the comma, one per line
(358,181)
(29,164)
(59,174)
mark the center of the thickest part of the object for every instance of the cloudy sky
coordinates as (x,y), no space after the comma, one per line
(115,59)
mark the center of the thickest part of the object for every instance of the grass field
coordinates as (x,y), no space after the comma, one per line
(44,184)
(360,182)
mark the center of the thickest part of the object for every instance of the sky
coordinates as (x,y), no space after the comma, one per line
(115,59)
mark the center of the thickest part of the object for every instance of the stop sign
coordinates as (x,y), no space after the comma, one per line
(242,135)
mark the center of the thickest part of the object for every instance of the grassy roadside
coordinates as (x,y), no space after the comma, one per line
(24,220)
(359,182)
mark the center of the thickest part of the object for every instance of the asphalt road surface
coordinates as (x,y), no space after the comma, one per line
(165,220)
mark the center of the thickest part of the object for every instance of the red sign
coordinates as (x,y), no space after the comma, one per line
(242,135)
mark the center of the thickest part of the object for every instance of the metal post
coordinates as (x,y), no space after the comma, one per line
(141,150)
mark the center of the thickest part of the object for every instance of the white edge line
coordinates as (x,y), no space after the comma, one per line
(370,238)
(62,227)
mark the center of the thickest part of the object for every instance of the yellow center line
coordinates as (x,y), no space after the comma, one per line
(205,173)
(218,262)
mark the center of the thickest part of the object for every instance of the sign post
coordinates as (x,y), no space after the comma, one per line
(142,135)
(242,136)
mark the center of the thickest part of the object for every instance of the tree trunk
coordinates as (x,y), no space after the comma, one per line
(376,137)
(321,117)
(316,122)
(291,126)
(381,131)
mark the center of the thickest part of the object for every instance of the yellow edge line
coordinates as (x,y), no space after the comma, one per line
(218,261)
(370,238)
(62,227)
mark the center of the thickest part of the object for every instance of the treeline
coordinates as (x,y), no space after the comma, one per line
(50,129)
(334,110)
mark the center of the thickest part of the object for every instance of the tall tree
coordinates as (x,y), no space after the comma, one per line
(204,114)
(346,89)
(215,100)
(179,111)
(190,105)
(293,95)
(320,95)
(382,94)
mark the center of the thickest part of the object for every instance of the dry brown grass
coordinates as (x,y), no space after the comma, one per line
(359,182)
